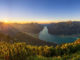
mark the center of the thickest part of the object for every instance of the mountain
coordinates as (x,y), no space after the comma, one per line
(64,28)
(10,34)
(8,29)
(29,27)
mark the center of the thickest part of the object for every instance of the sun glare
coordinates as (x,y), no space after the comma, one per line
(6,21)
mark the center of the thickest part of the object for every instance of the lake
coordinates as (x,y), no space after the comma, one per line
(44,35)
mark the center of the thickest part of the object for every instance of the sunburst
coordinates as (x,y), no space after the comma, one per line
(6,21)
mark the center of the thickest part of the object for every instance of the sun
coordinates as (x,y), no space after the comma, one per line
(6,21)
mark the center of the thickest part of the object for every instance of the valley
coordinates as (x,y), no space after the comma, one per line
(18,35)
(40,45)
(39,29)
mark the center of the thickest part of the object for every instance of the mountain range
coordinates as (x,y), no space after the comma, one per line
(16,33)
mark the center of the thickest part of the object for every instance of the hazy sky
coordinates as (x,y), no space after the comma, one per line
(39,10)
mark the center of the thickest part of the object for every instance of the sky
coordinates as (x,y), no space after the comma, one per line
(39,10)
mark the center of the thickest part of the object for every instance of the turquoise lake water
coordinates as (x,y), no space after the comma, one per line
(44,35)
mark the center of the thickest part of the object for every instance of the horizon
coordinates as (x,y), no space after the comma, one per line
(39,22)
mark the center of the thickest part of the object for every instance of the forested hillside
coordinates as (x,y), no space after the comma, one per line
(22,51)
(64,28)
